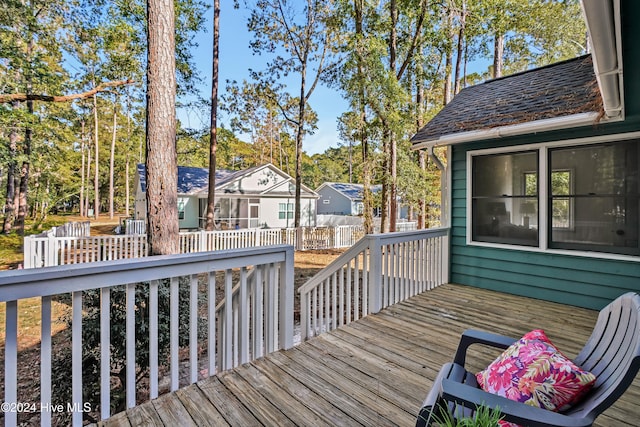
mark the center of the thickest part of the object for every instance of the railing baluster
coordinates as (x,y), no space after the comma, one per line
(334,299)
(45,362)
(258,314)
(174,323)
(349,285)
(153,338)
(130,290)
(365,282)
(193,327)
(11,361)
(356,289)
(341,313)
(76,356)
(243,313)
(105,353)
(227,348)
(211,311)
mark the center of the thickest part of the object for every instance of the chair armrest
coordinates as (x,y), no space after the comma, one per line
(516,412)
(471,336)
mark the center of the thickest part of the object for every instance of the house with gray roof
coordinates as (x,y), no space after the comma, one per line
(542,192)
(339,198)
(261,196)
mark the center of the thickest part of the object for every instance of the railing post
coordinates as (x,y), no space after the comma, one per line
(375,274)
(285,321)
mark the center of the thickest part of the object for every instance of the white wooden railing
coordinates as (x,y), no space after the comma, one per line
(260,321)
(135,226)
(380,270)
(47,250)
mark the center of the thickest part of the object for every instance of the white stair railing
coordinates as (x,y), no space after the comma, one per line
(264,307)
(378,271)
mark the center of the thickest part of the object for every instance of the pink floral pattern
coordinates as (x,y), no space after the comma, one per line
(533,371)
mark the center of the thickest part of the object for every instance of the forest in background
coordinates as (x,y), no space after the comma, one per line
(72,90)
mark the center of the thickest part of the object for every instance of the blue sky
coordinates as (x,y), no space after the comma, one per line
(235,60)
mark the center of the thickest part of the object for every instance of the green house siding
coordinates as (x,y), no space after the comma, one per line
(583,281)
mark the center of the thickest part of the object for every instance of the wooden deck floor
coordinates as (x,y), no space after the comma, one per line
(374,372)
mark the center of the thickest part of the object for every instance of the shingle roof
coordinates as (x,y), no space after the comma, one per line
(352,191)
(192,180)
(557,90)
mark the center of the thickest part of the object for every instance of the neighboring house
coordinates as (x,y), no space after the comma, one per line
(543,193)
(261,196)
(337,198)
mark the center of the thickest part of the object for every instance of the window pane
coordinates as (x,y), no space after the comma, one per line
(505,198)
(600,199)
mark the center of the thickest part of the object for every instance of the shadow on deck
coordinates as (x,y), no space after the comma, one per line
(376,371)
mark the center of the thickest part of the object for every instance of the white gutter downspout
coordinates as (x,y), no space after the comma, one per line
(603,24)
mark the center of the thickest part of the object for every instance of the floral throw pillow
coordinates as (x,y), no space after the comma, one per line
(533,371)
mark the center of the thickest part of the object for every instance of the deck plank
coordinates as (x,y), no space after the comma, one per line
(294,409)
(172,412)
(377,370)
(201,409)
(231,408)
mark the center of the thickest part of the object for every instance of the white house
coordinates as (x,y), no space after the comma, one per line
(262,196)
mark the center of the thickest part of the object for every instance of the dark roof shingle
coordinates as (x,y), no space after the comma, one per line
(556,90)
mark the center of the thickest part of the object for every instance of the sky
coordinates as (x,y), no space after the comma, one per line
(235,60)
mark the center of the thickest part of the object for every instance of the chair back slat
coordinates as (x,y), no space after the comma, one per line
(612,354)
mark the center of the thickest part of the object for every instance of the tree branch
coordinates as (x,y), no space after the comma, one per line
(6,98)
(414,41)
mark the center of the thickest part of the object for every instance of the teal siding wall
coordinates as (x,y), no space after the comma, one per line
(582,281)
(576,280)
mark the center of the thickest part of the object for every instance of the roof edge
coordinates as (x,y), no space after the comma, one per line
(544,125)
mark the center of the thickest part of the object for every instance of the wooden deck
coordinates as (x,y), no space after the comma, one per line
(375,371)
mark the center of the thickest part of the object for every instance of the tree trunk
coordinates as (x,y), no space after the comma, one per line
(448,61)
(459,51)
(82,148)
(213,129)
(498,54)
(367,197)
(24,172)
(96,178)
(9,207)
(126,183)
(112,157)
(162,169)
(88,175)
(393,155)
(422,203)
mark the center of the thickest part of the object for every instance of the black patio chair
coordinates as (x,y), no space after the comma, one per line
(612,354)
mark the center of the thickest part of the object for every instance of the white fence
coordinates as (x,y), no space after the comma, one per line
(48,250)
(254,317)
(380,270)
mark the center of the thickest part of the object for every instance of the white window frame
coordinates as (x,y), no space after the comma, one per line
(543,223)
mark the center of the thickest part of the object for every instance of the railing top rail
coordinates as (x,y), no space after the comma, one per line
(367,242)
(19,284)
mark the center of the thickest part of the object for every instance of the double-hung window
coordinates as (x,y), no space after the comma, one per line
(558,196)
(285,210)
